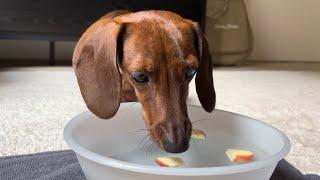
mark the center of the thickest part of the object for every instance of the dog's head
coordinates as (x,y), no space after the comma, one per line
(156,54)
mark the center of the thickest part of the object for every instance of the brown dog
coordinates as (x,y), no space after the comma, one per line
(150,57)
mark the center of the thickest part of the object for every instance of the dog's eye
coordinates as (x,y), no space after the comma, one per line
(140,77)
(188,73)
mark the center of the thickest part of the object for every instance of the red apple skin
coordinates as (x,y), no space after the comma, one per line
(239,157)
(243,158)
(204,134)
(161,163)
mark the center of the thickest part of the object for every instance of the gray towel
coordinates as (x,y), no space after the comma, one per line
(63,165)
(58,165)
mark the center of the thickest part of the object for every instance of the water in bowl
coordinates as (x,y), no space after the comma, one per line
(209,152)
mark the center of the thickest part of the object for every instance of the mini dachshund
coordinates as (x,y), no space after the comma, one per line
(150,57)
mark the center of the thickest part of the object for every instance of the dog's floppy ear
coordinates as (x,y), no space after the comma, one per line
(96,68)
(204,80)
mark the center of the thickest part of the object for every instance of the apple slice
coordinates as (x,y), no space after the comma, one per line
(198,134)
(240,156)
(169,161)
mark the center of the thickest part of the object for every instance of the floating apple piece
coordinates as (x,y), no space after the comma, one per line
(169,161)
(240,156)
(198,134)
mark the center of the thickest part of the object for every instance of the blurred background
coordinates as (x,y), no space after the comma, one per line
(283,31)
(272,49)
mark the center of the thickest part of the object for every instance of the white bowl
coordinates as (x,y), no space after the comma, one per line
(114,149)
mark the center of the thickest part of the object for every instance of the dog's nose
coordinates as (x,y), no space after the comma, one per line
(175,137)
(176,147)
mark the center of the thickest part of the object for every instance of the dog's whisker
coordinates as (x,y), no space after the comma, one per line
(155,149)
(145,149)
(143,141)
(148,149)
(199,120)
(151,147)
(139,131)
(146,144)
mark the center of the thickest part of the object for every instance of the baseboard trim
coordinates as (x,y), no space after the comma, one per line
(33,62)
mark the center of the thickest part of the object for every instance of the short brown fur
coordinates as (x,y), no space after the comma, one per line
(160,44)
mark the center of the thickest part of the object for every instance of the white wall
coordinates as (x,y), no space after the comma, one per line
(284,30)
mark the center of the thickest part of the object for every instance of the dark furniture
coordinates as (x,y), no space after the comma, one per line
(65,20)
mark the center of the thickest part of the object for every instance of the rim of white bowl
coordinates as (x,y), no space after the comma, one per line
(200,171)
